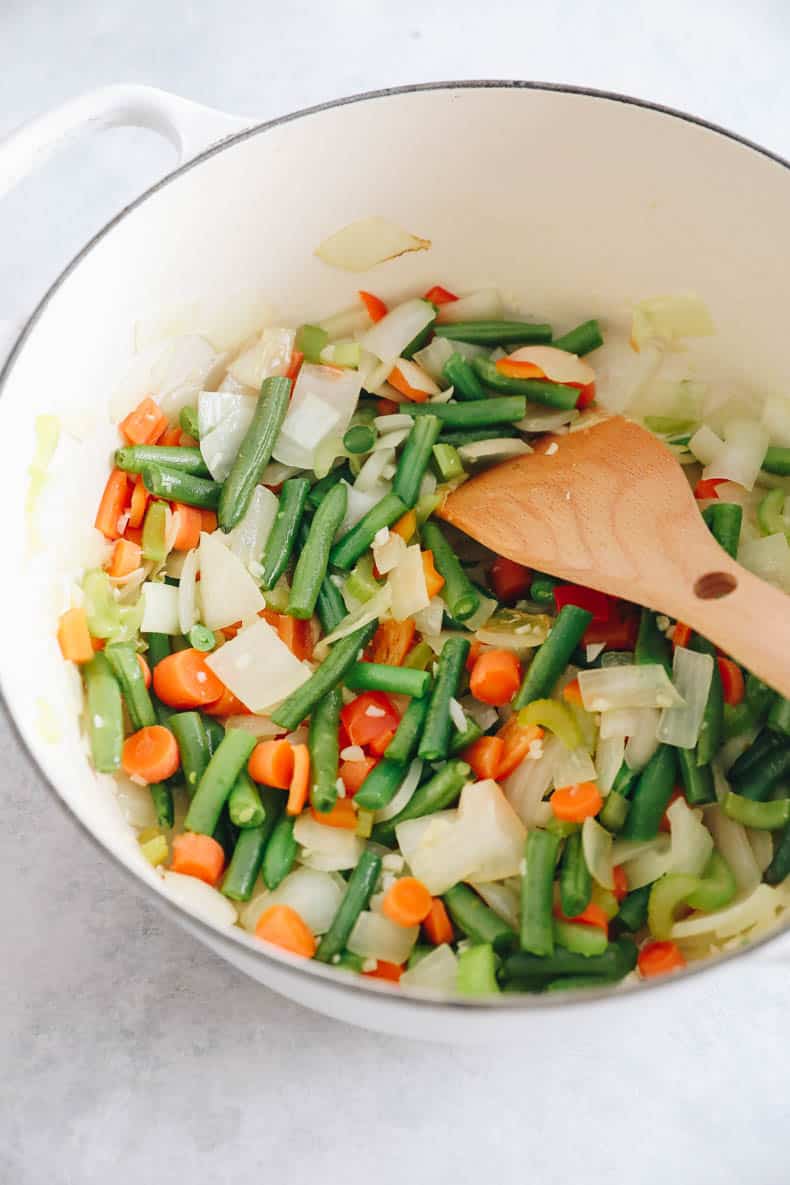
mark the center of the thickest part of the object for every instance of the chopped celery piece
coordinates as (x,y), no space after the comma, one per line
(155,532)
(667,894)
(477,971)
(419,657)
(770,513)
(106,618)
(552,714)
(364,824)
(155,850)
(360,582)
(341,354)
(448,461)
(310,341)
(668,425)
(426,506)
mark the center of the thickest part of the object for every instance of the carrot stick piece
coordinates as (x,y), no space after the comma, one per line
(284,927)
(437,925)
(272,764)
(74,637)
(112,505)
(145,424)
(300,781)
(126,558)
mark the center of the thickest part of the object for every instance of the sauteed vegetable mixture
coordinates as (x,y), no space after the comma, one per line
(370,742)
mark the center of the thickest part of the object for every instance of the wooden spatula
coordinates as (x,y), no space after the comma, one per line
(611,508)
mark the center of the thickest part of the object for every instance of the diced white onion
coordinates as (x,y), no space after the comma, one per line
(483,715)
(416,377)
(330,849)
(185,366)
(369,478)
(483,305)
(437,972)
(503,899)
(651,863)
(691,842)
(609,755)
(429,619)
(322,403)
(705,444)
(643,741)
(691,674)
(366,242)
(546,419)
(200,899)
(433,357)
(482,614)
(670,318)
(314,895)
(389,553)
(620,722)
(375,937)
(269,355)
(258,667)
(597,848)
(762,846)
(160,609)
(227,591)
(394,422)
(531,780)
(187,592)
(223,420)
(762,904)
(627,687)
(491,452)
(276,473)
(391,440)
(404,794)
(767,557)
(260,726)
(346,323)
(558,365)
(377,606)
(358,503)
(248,538)
(733,843)
(776,419)
(741,456)
(406,582)
(388,338)
(573,765)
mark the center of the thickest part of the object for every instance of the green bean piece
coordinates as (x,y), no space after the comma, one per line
(763,816)
(461,739)
(542,588)
(462,436)
(552,657)
(162,798)
(122,658)
(614,811)
(779,716)
(697,779)
(569,983)
(200,637)
(218,779)
(280,852)
(447,461)
(537,892)
(632,914)
(280,543)
(381,785)
(737,719)
(359,438)
(459,374)
(534,390)
(616,962)
(403,745)
(380,676)
(717,886)
(345,652)
(310,341)
(777,460)
(188,422)
(724,522)
(255,451)
(575,878)
(226,834)
(104,713)
(652,648)
(764,743)
(438,792)
(359,890)
(215,733)
(476,974)
(580,939)
(244,803)
(158,648)
(710,734)
(136,457)
(475,919)
(175,486)
(761,777)
(311,567)
(482,413)
(651,795)
(459,594)
(330,606)
(438,727)
(250,846)
(759,696)
(324,748)
(414,458)
(495,333)
(582,340)
(779,868)
(193,746)
(154,540)
(350,546)
(321,488)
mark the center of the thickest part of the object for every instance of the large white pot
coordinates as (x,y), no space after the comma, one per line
(578,203)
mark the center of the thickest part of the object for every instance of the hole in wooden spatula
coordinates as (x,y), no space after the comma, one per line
(714,585)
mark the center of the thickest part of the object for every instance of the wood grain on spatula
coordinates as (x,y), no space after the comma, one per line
(611,509)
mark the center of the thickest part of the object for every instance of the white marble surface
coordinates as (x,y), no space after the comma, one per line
(129,1053)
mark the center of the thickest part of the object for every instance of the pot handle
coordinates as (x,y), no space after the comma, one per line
(190,128)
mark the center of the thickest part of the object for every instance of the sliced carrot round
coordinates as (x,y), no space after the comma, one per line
(574,804)
(182,680)
(407,902)
(342,815)
(199,856)
(272,764)
(496,677)
(283,927)
(659,958)
(228,704)
(151,753)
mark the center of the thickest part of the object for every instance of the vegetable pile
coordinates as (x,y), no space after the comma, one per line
(339,724)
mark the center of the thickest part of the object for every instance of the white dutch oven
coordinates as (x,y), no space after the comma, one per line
(575,203)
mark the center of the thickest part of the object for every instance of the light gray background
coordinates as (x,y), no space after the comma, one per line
(127,1052)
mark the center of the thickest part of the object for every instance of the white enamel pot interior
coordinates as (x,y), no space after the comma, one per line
(575,203)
